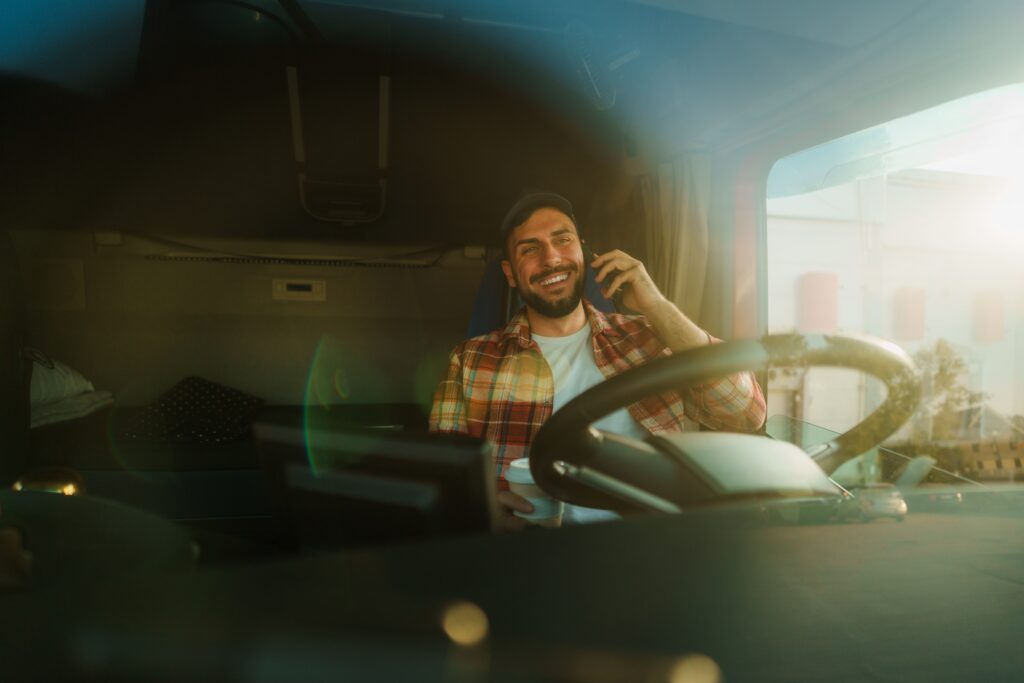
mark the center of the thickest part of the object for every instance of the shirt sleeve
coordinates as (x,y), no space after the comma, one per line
(734,403)
(448,411)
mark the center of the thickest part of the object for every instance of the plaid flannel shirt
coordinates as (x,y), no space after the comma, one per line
(500,388)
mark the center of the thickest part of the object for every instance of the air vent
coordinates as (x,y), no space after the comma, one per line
(298,290)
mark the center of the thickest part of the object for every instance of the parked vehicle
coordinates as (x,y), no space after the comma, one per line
(875,501)
(933,498)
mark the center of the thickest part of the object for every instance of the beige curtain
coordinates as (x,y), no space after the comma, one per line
(676,206)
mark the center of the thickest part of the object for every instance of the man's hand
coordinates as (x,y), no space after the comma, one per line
(507,503)
(641,294)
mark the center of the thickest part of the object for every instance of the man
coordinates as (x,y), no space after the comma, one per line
(504,385)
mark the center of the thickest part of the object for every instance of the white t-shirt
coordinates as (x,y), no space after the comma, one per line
(572,364)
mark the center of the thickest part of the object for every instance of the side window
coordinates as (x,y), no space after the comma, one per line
(912,231)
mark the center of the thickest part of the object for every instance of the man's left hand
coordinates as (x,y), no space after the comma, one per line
(617,270)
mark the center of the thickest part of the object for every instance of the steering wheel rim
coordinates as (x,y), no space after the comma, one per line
(569,431)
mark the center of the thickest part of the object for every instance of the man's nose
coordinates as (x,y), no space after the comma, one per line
(551,255)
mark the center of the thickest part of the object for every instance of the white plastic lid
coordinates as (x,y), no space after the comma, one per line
(518,472)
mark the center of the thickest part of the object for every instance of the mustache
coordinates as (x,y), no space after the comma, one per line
(565,269)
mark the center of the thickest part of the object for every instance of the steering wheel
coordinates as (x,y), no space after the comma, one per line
(567,441)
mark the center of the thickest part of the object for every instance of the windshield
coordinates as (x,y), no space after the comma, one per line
(910,231)
(875,466)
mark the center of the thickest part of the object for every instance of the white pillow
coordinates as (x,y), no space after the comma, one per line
(70,408)
(50,384)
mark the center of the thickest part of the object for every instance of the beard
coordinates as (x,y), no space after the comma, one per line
(553,308)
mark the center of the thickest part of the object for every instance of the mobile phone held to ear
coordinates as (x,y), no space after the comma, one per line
(616,298)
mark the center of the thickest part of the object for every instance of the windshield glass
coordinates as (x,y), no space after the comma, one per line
(875,465)
(911,231)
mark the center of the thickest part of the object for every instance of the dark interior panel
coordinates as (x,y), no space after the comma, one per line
(203,143)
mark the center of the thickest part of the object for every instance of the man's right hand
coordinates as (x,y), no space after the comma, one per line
(508,503)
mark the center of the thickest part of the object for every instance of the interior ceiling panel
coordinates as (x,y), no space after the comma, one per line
(486,97)
(837,22)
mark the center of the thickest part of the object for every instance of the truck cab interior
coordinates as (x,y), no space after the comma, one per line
(239,240)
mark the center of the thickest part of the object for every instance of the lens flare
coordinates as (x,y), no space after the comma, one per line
(429,373)
(328,386)
(695,669)
(465,624)
(126,453)
(340,384)
(327,383)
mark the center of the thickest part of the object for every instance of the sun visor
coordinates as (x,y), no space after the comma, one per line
(955,129)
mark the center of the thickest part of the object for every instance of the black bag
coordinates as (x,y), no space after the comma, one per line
(195,410)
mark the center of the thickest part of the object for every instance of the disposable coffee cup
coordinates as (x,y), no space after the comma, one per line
(546,510)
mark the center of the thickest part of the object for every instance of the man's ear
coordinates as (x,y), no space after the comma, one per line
(506,268)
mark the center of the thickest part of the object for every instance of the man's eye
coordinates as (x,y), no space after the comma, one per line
(528,250)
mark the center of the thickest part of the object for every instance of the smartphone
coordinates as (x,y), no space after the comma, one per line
(616,299)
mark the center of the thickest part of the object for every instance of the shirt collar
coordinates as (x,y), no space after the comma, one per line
(518,328)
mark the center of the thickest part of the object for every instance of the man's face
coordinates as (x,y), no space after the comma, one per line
(545,263)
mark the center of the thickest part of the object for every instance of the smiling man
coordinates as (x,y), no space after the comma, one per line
(504,385)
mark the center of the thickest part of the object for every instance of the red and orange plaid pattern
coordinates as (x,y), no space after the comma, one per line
(499,386)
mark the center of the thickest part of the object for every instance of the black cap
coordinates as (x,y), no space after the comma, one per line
(522,209)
